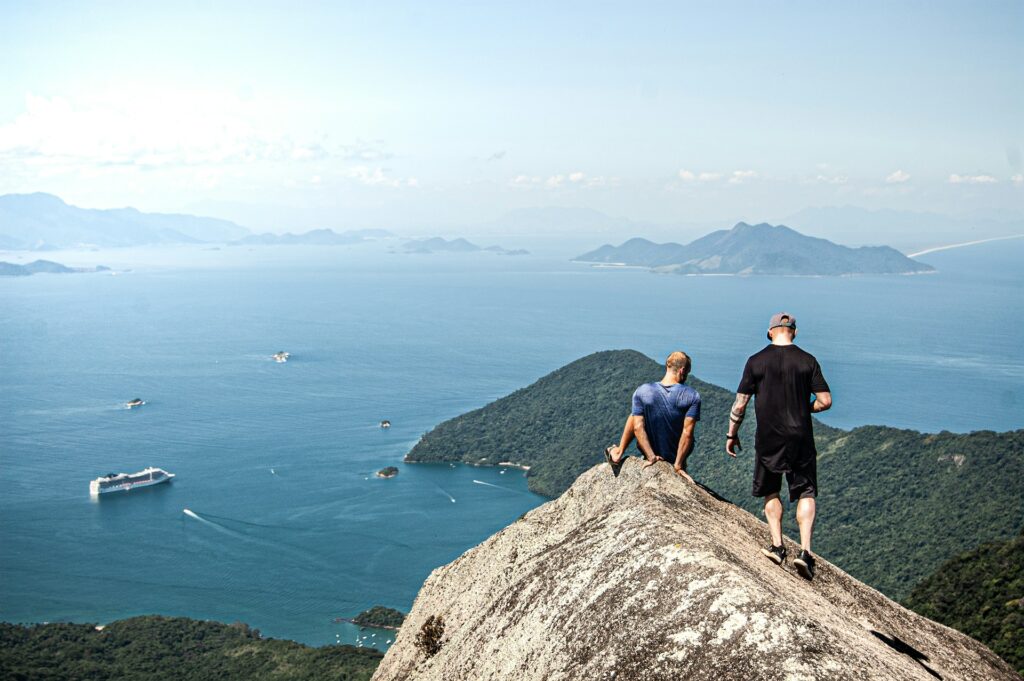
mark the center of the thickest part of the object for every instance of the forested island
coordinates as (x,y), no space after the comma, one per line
(888,525)
(154,648)
(387,472)
(380,617)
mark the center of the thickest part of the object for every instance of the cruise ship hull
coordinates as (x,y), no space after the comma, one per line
(95,488)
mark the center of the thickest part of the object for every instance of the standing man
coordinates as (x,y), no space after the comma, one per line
(785,380)
(662,419)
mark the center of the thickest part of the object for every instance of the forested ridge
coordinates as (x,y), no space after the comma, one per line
(154,648)
(981,593)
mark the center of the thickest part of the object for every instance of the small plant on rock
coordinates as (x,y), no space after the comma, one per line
(428,639)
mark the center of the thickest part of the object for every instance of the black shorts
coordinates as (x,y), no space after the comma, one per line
(803,480)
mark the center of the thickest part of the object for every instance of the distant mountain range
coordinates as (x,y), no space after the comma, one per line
(437,244)
(44,222)
(757,249)
(316,237)
(8,269)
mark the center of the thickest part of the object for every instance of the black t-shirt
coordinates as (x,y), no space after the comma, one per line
(782,378)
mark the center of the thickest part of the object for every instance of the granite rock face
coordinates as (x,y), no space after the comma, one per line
(646,576)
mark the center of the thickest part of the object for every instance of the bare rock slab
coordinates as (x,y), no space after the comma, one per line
(646,576)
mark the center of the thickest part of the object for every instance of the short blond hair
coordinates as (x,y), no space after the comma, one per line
(678,360)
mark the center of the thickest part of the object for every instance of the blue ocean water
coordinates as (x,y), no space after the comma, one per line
(291,529)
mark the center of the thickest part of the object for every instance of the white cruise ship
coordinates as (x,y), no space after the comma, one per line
(116,482)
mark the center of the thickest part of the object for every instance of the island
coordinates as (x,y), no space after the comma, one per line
(281,357)
(460,245)
(388,472)
(10,269)
(379,617)
(761,249)
(315,237)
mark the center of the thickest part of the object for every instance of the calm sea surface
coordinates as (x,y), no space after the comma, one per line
(291,529)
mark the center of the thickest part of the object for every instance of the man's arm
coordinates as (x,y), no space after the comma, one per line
(685,447)
(739,410)
(822,402)
(625,441)
(641,439)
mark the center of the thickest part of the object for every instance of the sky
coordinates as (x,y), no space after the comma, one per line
(299,115)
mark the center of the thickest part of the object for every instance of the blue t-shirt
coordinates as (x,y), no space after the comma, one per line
(664,407)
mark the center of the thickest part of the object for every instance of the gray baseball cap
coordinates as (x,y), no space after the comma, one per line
(781,319)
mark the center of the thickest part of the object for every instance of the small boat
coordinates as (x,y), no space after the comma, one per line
(118,482)
(385,424)
(281,357)
(137,402)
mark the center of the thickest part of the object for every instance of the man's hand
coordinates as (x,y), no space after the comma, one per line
(733,446)
(651,462)
(682,472)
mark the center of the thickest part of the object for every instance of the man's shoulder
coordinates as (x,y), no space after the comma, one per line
(686,389)
(644,389)
(804,354)
(763,352)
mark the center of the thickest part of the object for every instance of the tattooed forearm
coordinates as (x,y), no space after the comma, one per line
(739,410)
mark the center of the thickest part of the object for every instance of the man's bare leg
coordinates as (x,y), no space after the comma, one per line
(805,509)
(619,451)
(773,513)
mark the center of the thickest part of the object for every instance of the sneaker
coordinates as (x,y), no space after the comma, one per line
(776,554)
(805,565)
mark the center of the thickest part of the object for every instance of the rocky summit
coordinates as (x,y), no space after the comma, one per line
(646,576)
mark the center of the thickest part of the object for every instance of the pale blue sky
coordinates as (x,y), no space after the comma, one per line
(302,114)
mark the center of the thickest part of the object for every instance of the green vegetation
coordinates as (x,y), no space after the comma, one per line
(387,472)
(981,593)
(165,648)
(379,616)
(894,503)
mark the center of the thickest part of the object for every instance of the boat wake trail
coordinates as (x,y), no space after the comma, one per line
(217,526)
(300,554)
(444,492)
(251,524)
(481,482)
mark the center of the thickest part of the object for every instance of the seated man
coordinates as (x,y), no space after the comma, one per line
(662,419)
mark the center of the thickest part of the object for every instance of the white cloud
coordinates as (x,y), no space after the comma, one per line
(1018,180)
(524,181)
(897,177)
(366,152)
(555,181)
(832,179)
(576,176)
(376,177)
(972,179)
(741,176)
(690,176)
(157,129)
